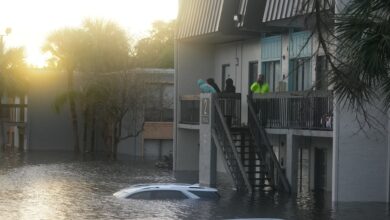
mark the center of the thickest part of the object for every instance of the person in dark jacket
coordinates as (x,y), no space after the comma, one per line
(230,104)
(212,83)
(229,88)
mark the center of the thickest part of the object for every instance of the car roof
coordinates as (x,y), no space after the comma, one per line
(163,186)
(172,186)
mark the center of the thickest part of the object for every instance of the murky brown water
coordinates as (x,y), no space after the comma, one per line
(57,185)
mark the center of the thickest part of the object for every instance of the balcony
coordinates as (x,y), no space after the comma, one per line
(230,105)
(312,110)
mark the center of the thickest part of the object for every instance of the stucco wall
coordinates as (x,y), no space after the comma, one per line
(193,61)
(47,129)
(360,158)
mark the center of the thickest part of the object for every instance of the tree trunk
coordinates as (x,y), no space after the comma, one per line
(113,140)
(85,131)
(93,130)
(73,112)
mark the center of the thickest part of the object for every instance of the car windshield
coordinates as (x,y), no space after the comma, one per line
(205,194)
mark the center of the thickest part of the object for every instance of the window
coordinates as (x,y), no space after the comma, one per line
(159,107)
(299,78)
(140,195)
(273,75)
(205,194)
(167,194)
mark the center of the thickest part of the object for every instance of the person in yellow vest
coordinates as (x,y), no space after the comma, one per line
(260,86)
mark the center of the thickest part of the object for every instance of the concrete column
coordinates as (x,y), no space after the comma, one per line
(291,162)
(207,149)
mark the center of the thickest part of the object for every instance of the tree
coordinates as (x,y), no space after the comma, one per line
(108,47)
(157,49)
(97,47)
(356,43)
(108,51)
(121,101)
(13,74)
(364,31)
(67,47)
(13,77)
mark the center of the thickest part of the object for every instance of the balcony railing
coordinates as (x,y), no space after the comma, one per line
(13,113)
(230,104)
(298,110)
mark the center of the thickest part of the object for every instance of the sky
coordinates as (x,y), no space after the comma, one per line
(32,21)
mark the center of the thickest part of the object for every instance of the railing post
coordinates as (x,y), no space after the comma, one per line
(207,149)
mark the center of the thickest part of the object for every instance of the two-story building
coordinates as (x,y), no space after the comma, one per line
(299,136)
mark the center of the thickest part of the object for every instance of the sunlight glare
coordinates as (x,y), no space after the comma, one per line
(41,17)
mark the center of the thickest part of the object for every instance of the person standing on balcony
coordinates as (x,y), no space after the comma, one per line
(229,86)
(260,87)
(230,105)
(212,83)
(204,87)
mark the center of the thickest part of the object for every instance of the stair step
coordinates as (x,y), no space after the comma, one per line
(259,178)
(254,166)
(261,186)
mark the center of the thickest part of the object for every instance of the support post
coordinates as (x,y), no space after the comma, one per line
(291,162)
(207,149)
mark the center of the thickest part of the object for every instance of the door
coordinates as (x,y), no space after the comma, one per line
(253,71)
(319,169)
(226,73)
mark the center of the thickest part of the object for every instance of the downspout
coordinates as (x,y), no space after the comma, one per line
(175,104)
(388,158)
(336,144)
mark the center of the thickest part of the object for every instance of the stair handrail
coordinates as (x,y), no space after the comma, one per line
(265,141)
(226,130)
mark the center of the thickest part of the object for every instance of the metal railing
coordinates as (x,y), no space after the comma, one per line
(13,113)
(265,151)
(300,110)
(189,109)
(224,141)
(230,105)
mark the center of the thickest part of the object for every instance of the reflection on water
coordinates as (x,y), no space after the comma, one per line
(58,185)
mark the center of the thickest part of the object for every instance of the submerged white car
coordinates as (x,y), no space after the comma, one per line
(167,191)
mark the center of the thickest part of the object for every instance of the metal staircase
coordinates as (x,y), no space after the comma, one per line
(253,164)
(224,142)
(248,154)
(276,178)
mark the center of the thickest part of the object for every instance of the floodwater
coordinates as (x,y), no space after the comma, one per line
(58,185)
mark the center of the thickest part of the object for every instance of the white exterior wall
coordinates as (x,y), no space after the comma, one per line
(361,158)
(193,61)
(237,55)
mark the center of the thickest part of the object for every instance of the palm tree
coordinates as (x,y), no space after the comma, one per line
(67,47)
(361,62)
(13,74)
